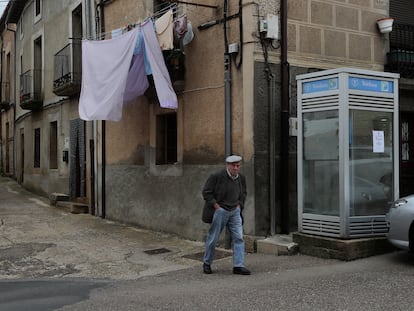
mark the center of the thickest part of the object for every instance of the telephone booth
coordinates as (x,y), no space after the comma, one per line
(347,152)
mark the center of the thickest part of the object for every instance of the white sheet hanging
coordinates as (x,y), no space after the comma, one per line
(105,66)
(162,81)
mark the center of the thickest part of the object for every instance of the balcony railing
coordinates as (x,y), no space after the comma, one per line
(5,95)
(400,59)
(31,90)
(68,70)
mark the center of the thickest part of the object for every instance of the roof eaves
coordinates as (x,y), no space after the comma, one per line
(15,11)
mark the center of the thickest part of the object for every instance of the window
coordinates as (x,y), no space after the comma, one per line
(53,149)
(6,95)
(7,147)
(37,70)
(21,32)
(166,150)
(36,159)
(160,5)
(38,9)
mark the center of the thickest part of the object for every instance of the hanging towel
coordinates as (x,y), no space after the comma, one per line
(162,81)
(105,67)
(164,27)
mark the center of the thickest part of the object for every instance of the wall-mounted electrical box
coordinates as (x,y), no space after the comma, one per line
(270,26)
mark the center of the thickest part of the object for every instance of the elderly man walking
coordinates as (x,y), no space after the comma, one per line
(224,193)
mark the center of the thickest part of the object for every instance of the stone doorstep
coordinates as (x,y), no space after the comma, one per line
(277,245)
(325,247)
(73,207)
(56,197)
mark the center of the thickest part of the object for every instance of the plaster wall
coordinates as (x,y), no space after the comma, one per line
(7,93)
(139,191)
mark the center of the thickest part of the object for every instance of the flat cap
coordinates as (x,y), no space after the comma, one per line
(233,159)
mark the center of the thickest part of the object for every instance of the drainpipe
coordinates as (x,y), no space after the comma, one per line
(284,163)
(103,133)
(89,34)
(227,87)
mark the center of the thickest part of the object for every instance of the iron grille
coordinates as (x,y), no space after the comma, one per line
(400,59)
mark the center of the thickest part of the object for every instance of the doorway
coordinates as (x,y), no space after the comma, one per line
(21,176)
(406,153)
(77,163)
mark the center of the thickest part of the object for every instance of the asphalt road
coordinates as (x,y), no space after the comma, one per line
(53,260)
(278,283)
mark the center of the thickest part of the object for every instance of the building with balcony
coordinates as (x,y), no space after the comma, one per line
(50,139)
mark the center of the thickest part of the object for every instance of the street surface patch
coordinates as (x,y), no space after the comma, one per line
(217,255)
(157,251)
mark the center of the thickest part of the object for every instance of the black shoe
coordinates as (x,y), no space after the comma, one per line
(241,270)
(207,269)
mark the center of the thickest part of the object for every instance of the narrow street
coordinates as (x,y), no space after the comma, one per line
(53,260)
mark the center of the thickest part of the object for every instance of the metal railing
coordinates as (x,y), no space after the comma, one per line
(400,59)
(67,68)
(31,86)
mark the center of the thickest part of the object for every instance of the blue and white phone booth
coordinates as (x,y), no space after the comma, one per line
(347,151)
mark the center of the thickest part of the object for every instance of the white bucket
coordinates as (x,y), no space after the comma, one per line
(385,24)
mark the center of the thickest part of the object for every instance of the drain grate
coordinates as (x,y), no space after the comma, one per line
(157,251)
(217,255)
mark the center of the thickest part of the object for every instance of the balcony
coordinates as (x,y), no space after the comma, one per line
(5,95)
(31,90)
(400,59)
(68,70)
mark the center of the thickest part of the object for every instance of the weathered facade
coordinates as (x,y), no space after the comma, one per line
(50,139)
(7,99)
(236,91)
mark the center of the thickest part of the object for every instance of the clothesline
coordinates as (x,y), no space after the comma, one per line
(160,12)
(174,7)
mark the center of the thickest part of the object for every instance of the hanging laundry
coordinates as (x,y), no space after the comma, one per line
(137,81)
(140,49)
(164,27)
(162,81)
(116,33)
(105,67)
(180,26)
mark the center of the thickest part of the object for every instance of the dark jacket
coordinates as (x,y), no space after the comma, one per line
(215,189)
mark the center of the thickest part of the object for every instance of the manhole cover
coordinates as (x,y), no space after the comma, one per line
(157,251)
(217,255)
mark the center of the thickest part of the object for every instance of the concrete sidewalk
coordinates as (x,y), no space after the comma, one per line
(38,240)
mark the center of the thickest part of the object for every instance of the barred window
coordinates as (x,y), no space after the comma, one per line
(166,152)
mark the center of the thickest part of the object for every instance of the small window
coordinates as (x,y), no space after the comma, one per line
(53,156)
(21,28)
(160,5)
(38,10)
(36,147)
(38,7)
(166,152)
